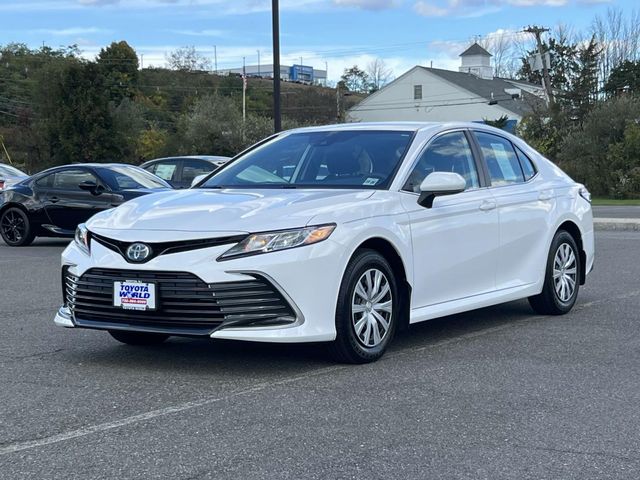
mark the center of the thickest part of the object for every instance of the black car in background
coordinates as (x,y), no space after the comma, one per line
(179,172)
(10,175)
(52,203)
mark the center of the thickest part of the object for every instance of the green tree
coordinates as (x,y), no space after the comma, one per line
(500,122)
(584,153)
(355,80)
(625,78)
(624,163)
(120,65)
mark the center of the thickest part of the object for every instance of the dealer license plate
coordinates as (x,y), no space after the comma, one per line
(134,295)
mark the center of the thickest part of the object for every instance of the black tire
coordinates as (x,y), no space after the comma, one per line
(15,228)
(549,301)
(138,338)
(348,347)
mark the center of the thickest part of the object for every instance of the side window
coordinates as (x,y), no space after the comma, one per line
(45,182)
(527,165)
(448,153)
(504,167)
(165,170)
(192,168)
(71,179)
(417,92)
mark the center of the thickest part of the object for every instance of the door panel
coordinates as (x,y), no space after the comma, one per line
(66,204)
(456,242)
(523,210)
(455,246)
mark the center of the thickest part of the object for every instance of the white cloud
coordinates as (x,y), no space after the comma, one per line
(199,33)
(70,32)
(427,9)
(368,4)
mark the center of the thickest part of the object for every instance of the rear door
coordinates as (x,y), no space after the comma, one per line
(65,203)
(523,209)
(455,243)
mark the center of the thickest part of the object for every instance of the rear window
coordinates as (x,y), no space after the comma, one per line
(527,165)
(500,157)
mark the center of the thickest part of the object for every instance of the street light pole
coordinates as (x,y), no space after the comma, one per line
(275,20)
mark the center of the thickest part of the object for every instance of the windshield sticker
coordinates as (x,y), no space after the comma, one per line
(370,181)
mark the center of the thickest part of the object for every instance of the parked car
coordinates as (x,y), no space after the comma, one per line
(10,175)
(180,172)
(53,203)
(341,234)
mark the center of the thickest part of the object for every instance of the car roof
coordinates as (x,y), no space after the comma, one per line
(87,165)
(400,126)
(208,158)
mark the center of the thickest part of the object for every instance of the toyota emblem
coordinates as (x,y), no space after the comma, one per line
(138,252)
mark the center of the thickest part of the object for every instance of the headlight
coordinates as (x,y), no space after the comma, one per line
(82,238)
(584,193)
(281,240)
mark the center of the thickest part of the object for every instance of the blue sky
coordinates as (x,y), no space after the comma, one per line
(339,32)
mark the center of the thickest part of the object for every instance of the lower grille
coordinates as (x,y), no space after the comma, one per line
(185,305)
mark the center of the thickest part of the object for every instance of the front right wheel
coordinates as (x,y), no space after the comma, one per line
(562,278)
(367,309)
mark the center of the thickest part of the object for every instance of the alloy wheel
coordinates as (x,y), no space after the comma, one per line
(13,226)
(565,272)
(372,308)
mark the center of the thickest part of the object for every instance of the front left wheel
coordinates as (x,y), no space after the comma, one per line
(367,309)
(15,228)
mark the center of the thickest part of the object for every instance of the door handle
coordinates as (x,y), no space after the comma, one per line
(545,195)
(487,205)
(54,199)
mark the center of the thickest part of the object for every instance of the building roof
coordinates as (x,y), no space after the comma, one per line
(490,89)
(475,49)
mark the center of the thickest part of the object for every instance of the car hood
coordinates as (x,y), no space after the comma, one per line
(224,211)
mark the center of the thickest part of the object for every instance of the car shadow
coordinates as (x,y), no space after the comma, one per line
(196,356)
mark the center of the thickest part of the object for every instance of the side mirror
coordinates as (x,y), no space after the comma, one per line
(197,179)
(92,187)
(437,184)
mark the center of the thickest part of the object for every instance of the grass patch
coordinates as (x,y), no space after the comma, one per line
(614,201)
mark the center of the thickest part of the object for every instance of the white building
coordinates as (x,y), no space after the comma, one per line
(431,94)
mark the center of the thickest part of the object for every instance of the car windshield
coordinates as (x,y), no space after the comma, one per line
(11,171)
(123,177)
(333,159)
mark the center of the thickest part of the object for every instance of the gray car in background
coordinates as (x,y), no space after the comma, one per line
(180,172)
(10,175)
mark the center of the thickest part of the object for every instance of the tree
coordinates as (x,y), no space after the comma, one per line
(187,59)
(500,122)
(74,114)
(379,74)
(120,65)
(625,78)
(355,80)
(585,152)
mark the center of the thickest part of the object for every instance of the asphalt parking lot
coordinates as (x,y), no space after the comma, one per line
(491,394)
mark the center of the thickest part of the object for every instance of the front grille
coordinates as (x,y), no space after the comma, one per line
(165,248)
(185,305)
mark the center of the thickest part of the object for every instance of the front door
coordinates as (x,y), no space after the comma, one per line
(66,204)
(456,242)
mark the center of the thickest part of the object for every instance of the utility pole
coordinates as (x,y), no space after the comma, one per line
(275,22)
(142,61)
(537,32)
(215,58)
(244,91)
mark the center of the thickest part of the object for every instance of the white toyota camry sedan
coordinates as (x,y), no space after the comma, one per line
(342,234)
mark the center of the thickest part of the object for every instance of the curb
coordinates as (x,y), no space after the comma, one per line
(624,224)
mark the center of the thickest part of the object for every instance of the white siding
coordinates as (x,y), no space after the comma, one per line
(395,102)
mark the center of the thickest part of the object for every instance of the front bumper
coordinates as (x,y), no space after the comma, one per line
(307,280)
